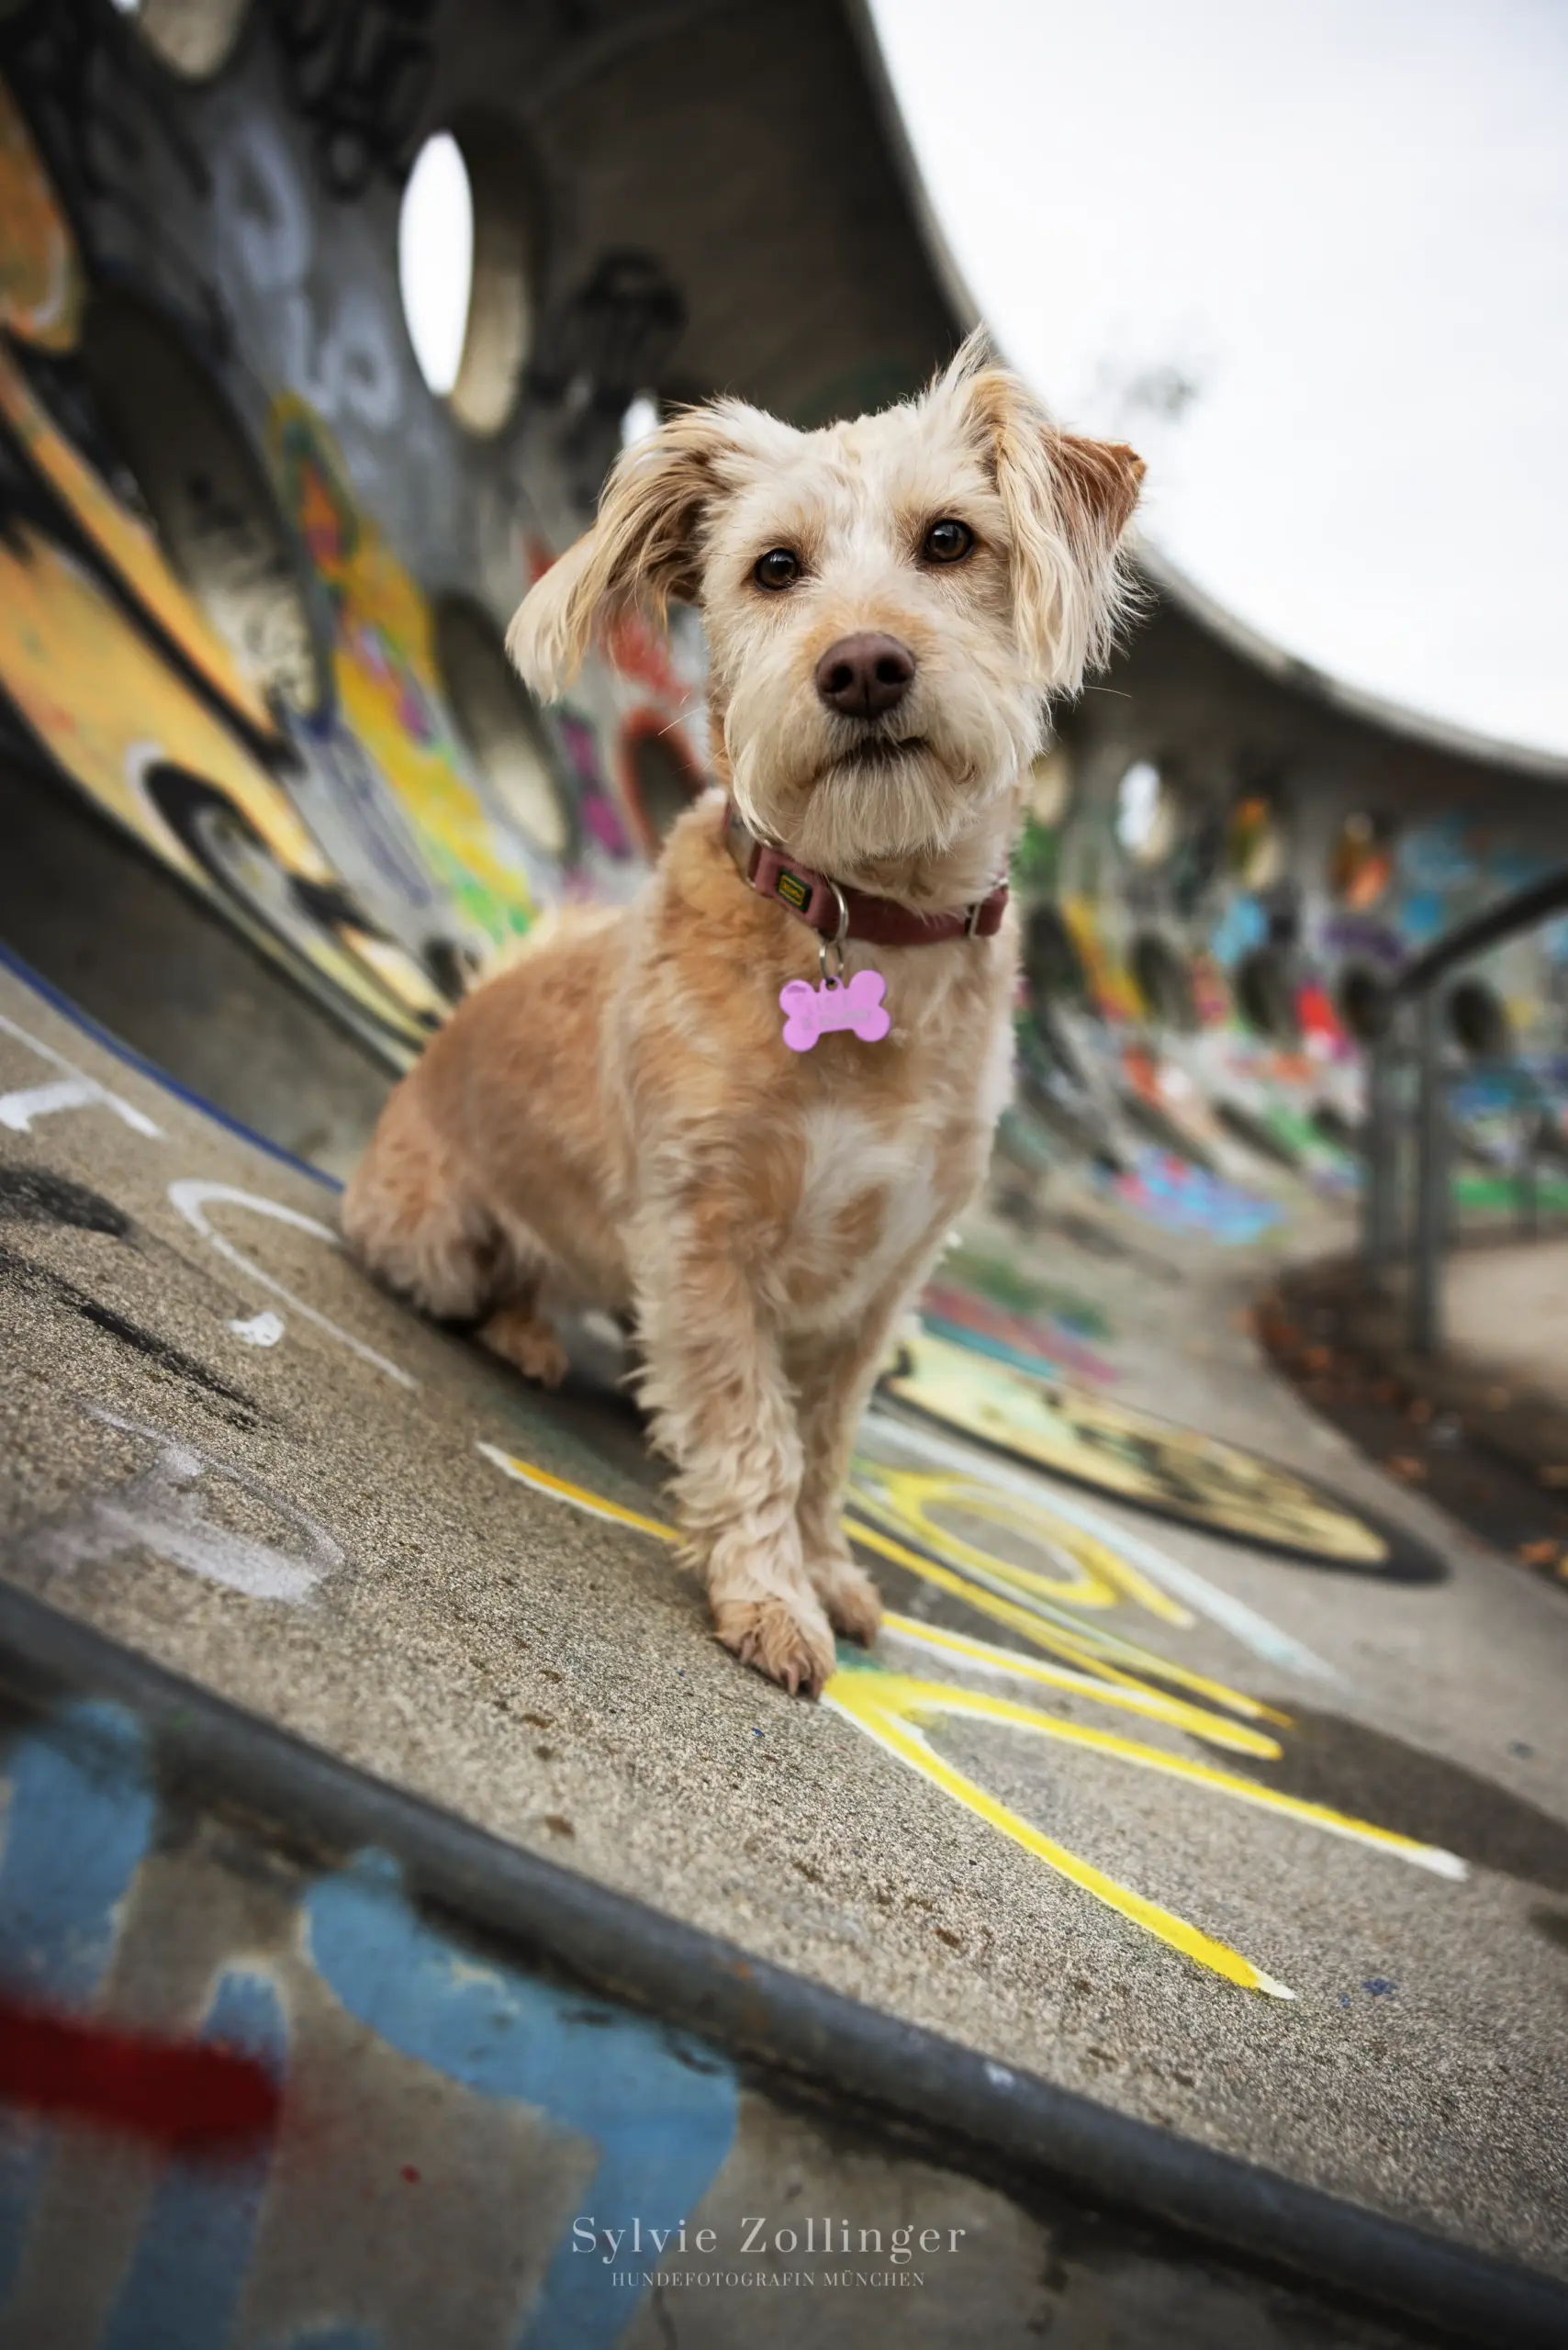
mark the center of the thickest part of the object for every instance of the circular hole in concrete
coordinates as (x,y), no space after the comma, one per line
(1146,813)
(641,419)
(1053,967)
(195,39)
(1265,995)
(1164,981)
(1363,999)
(232,854)
(308,915)
(1478,1020)
(208,491)
(661,778)
(500,725)
(468,248)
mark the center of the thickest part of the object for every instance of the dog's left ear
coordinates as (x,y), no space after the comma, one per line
(644,547)
(1068,502)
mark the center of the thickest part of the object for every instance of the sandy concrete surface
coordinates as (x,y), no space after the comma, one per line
(1508,1308)
(224,1449)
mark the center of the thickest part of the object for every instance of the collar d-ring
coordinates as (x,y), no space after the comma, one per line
(834,979)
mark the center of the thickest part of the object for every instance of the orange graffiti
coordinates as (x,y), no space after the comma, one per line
(387,685)
(120,720)
(129,550)
(41,271)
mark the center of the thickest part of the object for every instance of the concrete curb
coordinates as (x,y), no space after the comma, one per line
(756,2011)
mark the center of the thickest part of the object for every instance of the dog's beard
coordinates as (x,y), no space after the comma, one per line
(868,799)
(879,802)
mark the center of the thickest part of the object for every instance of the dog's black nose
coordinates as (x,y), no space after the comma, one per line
(862,676)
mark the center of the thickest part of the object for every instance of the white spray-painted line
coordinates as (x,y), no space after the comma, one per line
(263,1329)
(74,1090)
(191,1197)
(1254,1631)
(158,1510)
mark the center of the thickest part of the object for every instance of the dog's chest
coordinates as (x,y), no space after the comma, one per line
(888,1163)
(877,1178)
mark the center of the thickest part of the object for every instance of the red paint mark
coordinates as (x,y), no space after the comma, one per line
(411,2173)
(180,2093)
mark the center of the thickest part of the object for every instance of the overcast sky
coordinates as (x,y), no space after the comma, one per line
(1311,256)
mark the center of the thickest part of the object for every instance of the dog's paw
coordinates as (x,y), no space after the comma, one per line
(778,1637)
(525,1340)
(854,1604)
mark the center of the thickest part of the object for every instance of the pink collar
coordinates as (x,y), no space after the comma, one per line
(835,911)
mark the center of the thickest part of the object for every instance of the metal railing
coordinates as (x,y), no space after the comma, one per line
(1416,1002)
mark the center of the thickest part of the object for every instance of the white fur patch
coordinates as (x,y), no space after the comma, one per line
(848,1157)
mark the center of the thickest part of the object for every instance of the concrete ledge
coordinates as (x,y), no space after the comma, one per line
(846,2052)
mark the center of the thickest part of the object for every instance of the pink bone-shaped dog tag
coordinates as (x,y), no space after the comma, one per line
(811,1011)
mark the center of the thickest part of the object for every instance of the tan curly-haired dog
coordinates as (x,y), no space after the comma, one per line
(619,1118)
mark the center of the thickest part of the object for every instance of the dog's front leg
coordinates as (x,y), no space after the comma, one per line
(722,1412)
(833,1377)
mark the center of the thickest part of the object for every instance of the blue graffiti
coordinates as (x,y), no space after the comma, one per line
(659,2111)
(81,1814)
(1179,1197)
(662,2110)
(79,1818)
(191,2259)
(1242,927)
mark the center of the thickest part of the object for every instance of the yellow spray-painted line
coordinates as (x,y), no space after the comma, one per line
(1090,1648)
(1025,1595)
(889,1708)
(592,1505)
(1153,1702)
(854,1694)
(1099,1578)
(915,1701)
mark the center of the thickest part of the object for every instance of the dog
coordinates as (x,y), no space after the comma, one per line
(619,1119)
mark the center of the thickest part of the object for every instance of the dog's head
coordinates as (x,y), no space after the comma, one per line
(890,603)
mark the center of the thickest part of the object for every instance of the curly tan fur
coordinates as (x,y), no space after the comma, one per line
(615,1119)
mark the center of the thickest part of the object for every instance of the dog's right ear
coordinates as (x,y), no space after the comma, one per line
(644,547)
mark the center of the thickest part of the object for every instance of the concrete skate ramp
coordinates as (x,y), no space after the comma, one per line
(1191,1849)
(1247,1851)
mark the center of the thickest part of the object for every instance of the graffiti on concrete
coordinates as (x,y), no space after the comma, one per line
(161,1510)
(192,1197)
(40,270)
(1156,1464)
(1175,1196)
(72,1090)
(386,685)
(1037,1564)
(342,819)
(908,1513)
(310,2013)
(1048,1349)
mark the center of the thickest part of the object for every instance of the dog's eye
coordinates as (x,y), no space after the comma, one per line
(777,568)
(948,541)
